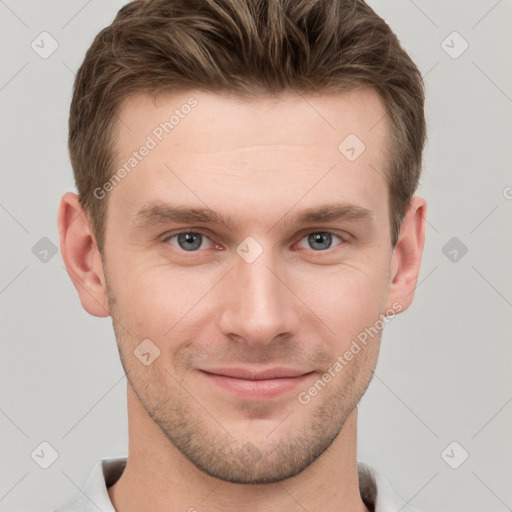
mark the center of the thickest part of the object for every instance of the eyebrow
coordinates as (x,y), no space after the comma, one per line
(158,213)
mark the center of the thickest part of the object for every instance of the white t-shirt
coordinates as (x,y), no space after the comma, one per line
(374,489)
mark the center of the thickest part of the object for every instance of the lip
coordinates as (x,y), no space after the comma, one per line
(261,385)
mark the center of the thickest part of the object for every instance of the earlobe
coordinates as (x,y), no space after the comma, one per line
(81,256)
(406,258)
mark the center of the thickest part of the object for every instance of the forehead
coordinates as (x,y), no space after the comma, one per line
(236,156)
(195,117)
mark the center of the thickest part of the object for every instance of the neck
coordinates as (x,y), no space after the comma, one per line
(158,477)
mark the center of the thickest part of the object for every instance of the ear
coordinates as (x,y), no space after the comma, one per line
(81,256)
(406,257)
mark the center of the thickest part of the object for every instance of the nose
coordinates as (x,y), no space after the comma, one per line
(257,303)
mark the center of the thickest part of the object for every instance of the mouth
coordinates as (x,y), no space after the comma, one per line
(259,385)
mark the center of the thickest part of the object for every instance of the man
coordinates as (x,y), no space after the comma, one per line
(245,214)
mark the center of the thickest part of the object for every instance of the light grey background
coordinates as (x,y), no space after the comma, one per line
(445,364)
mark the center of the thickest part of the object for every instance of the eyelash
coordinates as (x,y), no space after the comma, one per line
(344,239)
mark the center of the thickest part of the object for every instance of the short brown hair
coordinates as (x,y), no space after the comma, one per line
(248,48)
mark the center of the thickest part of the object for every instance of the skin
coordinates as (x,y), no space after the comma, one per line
(193,444)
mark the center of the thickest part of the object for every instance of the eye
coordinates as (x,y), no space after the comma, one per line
(320,240)
(189,241)
(192,241)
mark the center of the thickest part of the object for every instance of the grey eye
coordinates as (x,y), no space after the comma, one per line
(188,241)
(320,240)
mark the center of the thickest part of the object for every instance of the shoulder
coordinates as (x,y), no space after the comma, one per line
(94,494)
(377,493)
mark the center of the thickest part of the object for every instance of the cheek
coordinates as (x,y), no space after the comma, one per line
(351,295)
(158,301)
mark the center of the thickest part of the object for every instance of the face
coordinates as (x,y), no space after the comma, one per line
(290,267)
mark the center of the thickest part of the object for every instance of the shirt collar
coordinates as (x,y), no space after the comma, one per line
(375,490)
